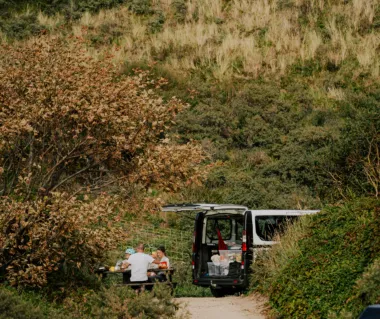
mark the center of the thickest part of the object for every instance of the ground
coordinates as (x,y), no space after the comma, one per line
(232,307)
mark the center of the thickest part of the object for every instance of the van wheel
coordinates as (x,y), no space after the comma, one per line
(218,293)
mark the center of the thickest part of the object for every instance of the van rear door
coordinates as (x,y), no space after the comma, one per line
(247,245)
(197,242)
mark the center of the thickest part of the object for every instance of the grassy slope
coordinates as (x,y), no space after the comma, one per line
(283,95)
(270,84)
(322,273)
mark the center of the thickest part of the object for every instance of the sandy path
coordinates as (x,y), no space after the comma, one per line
(224,308)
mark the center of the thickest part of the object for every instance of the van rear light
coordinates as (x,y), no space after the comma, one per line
(242,264)
(244,244)
(193,264)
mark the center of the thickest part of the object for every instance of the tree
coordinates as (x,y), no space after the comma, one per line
(73,125)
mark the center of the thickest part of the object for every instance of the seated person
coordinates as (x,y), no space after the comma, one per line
(128,253)
(164,260)
(164,264)
(139,266)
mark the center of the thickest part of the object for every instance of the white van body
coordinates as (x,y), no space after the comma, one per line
(244,231)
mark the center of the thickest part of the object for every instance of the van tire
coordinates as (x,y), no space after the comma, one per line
(218,293)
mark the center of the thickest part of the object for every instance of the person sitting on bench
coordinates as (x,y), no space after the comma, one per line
(163,264)
(139,263)
(128,253)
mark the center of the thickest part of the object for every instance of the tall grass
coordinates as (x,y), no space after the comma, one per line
(241,38)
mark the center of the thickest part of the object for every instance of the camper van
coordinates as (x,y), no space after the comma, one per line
(226,239)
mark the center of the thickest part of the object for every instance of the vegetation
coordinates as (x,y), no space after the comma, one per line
(26,306)
(81,145)
(108,302)
(326,264)
(281,96)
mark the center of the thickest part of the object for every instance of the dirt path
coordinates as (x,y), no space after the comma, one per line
(224,308)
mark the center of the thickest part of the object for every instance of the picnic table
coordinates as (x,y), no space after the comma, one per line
(126,275)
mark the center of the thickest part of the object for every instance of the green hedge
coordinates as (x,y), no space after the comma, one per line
(333,271)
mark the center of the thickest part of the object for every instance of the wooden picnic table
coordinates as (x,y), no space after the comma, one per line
(126,273)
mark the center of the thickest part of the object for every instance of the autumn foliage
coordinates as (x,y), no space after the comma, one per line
(75,137)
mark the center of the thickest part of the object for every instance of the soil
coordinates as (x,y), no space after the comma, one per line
(232,307)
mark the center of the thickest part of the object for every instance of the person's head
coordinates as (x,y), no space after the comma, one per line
(140,248)
(161,252)
(129,252)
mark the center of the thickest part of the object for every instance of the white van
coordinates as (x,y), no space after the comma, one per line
(225,238)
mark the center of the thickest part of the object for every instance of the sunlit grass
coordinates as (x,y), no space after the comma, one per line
(245,38)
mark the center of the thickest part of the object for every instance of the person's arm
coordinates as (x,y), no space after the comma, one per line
(125,264)
(128,262)
(152,260)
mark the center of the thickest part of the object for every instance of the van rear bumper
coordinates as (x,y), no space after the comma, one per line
(216,282)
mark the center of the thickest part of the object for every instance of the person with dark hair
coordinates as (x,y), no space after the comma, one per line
(164,260)
(164,263)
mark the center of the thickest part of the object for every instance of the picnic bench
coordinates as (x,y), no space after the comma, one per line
(126,275)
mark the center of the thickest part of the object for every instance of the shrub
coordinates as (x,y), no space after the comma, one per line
(316,274)
(180,10)
(72,126)
(122,303)
(15,306)
(21,27)
(55,233)
(156,23)
(140,6)
(68,119)
(368,286)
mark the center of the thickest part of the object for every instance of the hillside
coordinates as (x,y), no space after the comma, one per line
(110,108)
(283,94)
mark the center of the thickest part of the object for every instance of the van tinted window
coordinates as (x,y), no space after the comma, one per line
(223,224)
(268,226)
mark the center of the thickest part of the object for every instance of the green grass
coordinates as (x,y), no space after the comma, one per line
(320,274)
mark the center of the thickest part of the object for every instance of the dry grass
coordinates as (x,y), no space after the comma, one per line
(50,22)
(245,38)
(336,94)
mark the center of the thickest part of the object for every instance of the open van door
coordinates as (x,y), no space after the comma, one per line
(197,242)
(247,245)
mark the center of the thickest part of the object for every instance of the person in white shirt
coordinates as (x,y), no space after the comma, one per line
(139,264)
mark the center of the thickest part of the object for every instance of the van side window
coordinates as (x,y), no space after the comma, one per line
(268,226)
(223,224)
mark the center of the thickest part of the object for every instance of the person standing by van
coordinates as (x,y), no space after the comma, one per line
(139,264)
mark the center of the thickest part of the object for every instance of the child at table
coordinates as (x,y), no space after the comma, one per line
(128,253)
